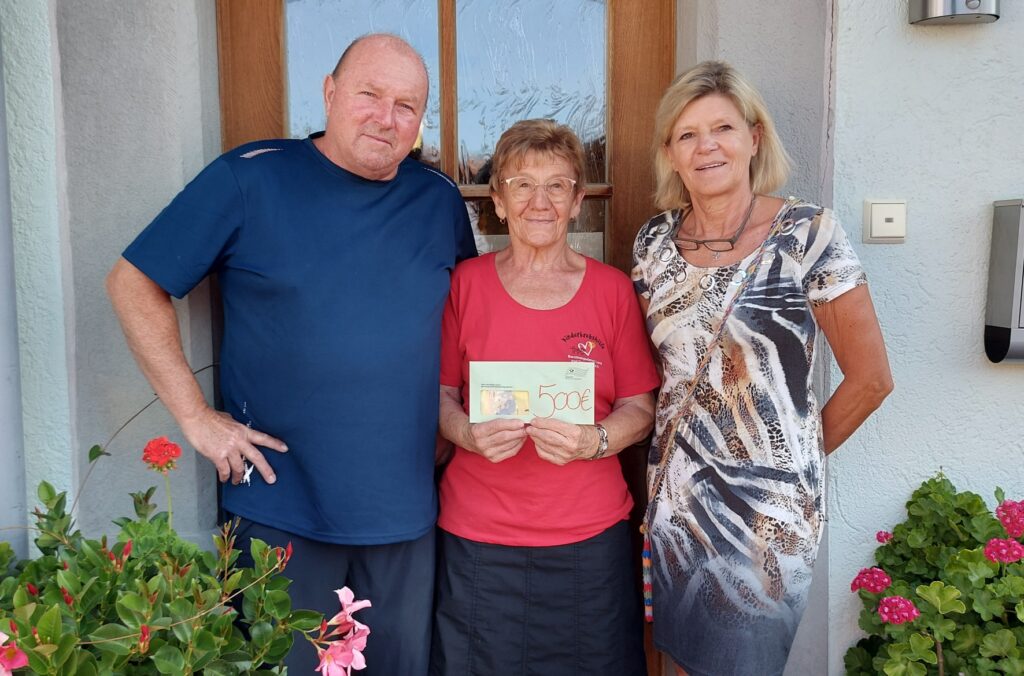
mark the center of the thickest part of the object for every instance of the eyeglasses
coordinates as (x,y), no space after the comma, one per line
(716,245)
(558,189)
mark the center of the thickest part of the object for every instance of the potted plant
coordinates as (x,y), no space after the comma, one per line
(150,602)
(947,595)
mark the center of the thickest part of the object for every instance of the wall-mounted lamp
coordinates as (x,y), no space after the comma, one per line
(937,12)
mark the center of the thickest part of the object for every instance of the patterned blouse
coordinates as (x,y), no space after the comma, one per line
(735,525)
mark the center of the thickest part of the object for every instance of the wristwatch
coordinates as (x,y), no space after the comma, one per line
(602,443)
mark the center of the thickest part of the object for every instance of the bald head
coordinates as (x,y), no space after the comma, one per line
(387,40)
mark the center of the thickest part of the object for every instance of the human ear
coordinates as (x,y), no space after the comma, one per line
(329,89)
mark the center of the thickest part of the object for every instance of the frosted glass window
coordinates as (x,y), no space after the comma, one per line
(316,33)
(520,59)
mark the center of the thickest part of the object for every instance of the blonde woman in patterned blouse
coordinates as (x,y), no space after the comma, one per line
(735,285)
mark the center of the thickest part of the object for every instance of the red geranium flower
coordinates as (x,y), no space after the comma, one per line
(874,580)
(1011,515)
(160,454)
(1004,551)
(897,610)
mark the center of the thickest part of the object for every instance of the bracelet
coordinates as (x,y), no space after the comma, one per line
(602,443)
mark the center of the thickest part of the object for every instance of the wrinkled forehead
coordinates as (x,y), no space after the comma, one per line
(383,60)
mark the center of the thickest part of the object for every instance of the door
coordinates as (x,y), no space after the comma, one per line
(599,66)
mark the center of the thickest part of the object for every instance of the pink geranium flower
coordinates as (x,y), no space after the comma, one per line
(11,657)
(1004,551)
(874,580)
(897,610)
(883,536)
(1011,515)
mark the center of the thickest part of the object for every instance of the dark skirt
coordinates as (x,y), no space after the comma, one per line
(544,611)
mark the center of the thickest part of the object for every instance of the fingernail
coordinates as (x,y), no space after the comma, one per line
(272,480)
(286,447)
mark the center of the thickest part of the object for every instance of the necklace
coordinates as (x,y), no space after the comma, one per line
(716,245)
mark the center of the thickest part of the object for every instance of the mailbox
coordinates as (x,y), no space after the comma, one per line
(1004,311)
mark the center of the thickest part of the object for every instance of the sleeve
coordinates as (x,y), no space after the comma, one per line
(641,285)
(635,372)
(451,352)
(830,266)
(191,236)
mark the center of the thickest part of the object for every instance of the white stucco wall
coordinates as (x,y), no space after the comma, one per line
(783,48)
(140,105)
(12,452)
(932,115)
(41,263)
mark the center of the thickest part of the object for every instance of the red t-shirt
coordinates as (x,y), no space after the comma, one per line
(527,501)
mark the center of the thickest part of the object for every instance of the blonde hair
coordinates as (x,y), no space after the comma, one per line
(545,137)
(769,169)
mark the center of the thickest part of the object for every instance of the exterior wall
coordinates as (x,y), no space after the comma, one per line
(783,48)
(12,479)
(944,133)
(41,266)
(110,109)
(139,89)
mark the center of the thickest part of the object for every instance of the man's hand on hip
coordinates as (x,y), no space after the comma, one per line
(228,444)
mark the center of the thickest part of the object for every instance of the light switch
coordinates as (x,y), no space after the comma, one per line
(885,221)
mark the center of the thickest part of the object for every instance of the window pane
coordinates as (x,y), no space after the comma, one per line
(523,59)
(317,31)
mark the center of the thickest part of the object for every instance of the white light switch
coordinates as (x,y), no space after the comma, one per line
(885,221)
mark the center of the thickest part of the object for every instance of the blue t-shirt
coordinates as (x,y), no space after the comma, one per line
(333,289)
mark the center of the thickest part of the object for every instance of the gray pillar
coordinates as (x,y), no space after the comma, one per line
(12,464)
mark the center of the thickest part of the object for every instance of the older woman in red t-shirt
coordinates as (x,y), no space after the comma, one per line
(535,571)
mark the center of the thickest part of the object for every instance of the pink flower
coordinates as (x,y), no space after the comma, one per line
(1011,515)
(11,657)
(343,620)
(897,610)
(1004,551)
(883,536)
(343,654)
(874,580)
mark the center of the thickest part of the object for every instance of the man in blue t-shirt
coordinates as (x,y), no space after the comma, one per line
(333,255)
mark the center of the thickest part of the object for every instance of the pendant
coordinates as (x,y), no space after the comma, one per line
(716,255)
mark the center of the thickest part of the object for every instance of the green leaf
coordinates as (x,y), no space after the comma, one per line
(904,668)
(169,660)
(999,644)
(1019,609)
(46,493)
(220,668)
(280,648)
(921,649)
(96,452)
(986,605)
(943,629)
(49,625)
(967,639)
(65,647)
(945,599)
(278,604)
(261,634)
(304,620)
(116,639)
